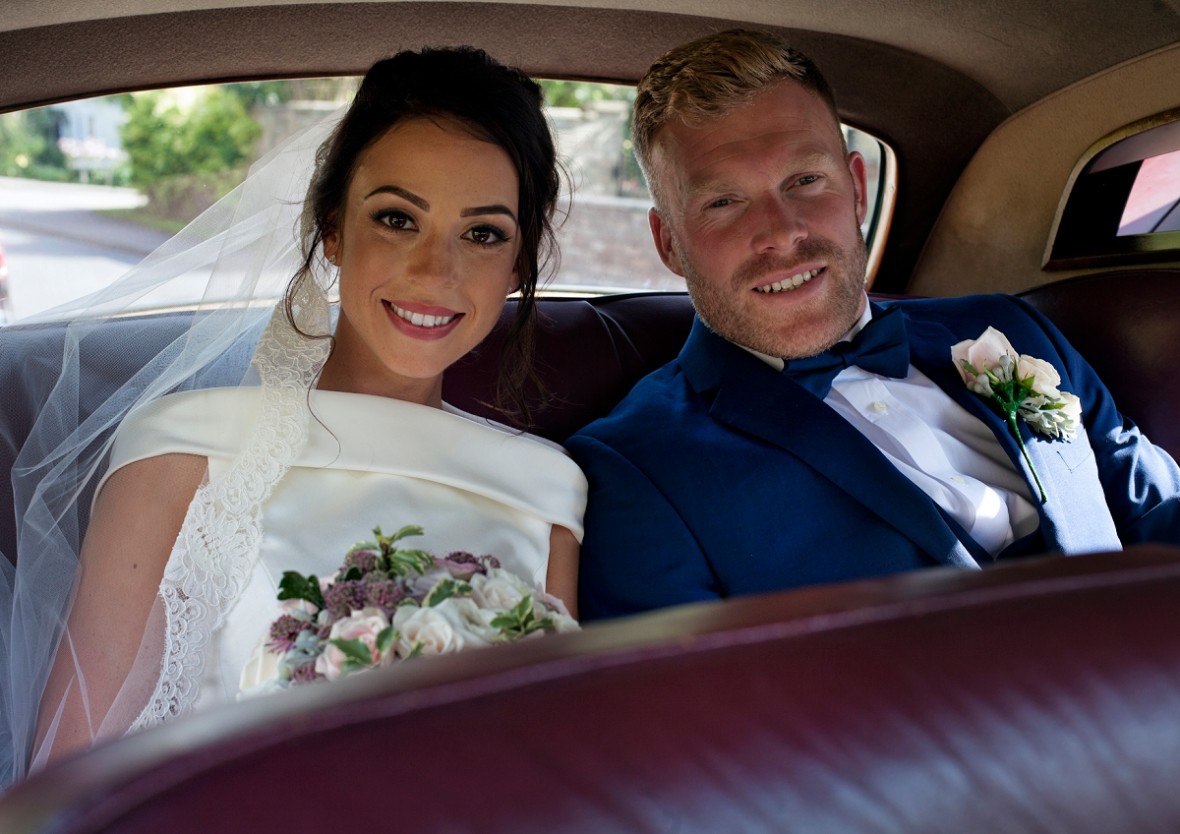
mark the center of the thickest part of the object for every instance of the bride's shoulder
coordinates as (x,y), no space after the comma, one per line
(183,410)
(198,422)
(368,416)
(501,429)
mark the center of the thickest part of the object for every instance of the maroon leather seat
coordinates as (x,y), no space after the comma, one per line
(1039,696)
(589,352)
(1127,325)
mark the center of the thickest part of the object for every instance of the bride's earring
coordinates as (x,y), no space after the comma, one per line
(331,248)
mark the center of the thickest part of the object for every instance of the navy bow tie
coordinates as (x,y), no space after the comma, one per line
(881,347)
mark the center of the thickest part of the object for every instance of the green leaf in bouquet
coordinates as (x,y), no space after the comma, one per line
(445,589)
(295,585)
(352,574)
(355,651)
(521,620)
(402,562)
(504,621)
(387,542)
(385,639)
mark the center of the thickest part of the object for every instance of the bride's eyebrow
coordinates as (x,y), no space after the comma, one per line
(397,190)
(410,196)
(493,209)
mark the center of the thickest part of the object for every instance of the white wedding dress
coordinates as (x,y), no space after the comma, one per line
(471,484)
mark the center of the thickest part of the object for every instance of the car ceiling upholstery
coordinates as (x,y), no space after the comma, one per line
(1015,49)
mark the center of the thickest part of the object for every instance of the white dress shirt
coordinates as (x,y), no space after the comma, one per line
(947,452)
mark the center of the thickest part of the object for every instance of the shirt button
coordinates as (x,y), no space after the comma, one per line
(880,407)
(958,479)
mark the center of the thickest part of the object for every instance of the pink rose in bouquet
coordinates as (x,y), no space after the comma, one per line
(368,627)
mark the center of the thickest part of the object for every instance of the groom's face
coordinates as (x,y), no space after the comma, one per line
(761,212)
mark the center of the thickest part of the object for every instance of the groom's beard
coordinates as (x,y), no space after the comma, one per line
(739,313)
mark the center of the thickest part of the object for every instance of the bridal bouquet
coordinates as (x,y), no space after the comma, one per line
(387,604)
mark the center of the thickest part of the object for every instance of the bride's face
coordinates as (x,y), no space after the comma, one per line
(427,250)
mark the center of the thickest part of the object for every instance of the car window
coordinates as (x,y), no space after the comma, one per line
(90,187)
(1153,204)
(1124,204)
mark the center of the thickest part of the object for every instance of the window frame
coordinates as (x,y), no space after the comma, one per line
(1085,225)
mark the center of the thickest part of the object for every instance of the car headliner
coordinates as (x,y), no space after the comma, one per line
(932,79)
(1017,50)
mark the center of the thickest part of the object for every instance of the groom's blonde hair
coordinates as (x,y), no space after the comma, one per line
(706,78)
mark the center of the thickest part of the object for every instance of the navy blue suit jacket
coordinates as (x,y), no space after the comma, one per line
(718,476)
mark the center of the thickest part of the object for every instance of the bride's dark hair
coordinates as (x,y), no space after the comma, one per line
(495,103)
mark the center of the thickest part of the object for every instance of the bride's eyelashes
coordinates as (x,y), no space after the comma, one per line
(487,235)
(395,219)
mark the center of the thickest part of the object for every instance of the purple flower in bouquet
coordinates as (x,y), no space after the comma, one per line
(383,592)
(462,565)
(363,558)
(344,596)
(284,631)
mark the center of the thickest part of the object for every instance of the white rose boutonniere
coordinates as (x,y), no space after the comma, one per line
(1019,386)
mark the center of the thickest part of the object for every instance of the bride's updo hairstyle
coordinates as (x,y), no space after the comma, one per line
(497,104)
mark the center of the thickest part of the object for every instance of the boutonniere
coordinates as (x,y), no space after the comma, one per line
(1019,386)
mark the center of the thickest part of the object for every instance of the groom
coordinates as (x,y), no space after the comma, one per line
(805,435)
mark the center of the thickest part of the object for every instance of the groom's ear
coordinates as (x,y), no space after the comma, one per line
(661,233)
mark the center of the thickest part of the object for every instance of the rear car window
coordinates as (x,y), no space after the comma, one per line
(88,188)
(1124,203)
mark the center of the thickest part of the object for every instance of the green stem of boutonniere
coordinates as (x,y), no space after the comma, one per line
(1010,412)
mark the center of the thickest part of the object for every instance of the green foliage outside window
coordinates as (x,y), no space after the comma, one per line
(583,93)
(184,157)
(28,147)
(162,138)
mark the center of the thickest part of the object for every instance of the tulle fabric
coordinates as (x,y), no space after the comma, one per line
(243,251)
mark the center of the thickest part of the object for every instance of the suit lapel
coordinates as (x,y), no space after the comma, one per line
(930,352)
(752,398)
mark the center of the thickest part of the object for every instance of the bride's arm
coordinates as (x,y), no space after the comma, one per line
(561,578)
(136,519)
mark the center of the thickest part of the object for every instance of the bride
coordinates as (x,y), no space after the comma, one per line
(430,202)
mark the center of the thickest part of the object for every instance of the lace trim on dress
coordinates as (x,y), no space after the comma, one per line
(218,545)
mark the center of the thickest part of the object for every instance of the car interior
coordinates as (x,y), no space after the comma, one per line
(1039,695)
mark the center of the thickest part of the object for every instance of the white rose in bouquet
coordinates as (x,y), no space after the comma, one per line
(499,589)
(448,627)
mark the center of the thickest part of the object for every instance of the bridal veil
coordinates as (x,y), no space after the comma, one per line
(243,252)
